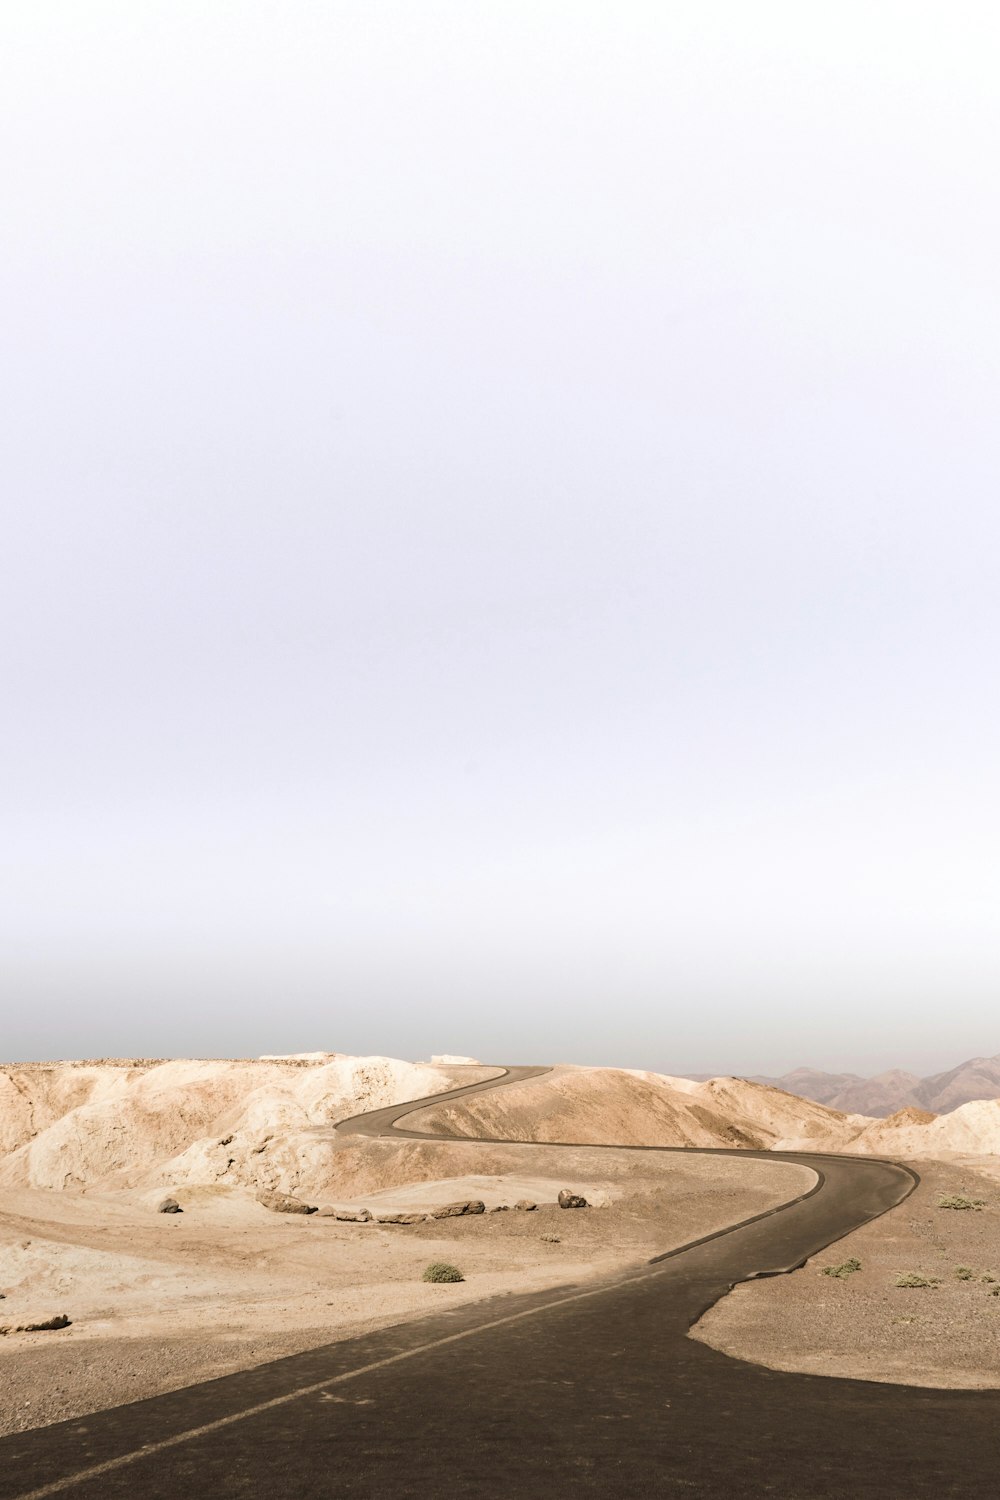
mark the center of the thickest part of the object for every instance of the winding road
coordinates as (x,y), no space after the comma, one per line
(587,1390)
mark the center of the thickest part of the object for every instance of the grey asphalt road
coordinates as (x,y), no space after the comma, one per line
(589,1390)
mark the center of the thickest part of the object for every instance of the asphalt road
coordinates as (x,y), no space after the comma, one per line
(591,1390)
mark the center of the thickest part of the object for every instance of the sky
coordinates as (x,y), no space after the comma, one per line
(500,544)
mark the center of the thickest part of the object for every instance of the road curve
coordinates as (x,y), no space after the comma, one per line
(592,1390)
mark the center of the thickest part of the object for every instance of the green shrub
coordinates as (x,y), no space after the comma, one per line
(848,1268)
(912,1279)
(964,1273)
(440,1270)
(955,1200)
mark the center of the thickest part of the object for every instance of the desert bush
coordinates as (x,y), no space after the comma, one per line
(964,1273)
(913,1279)
(440,1270)
(847,1268)
(955,1200)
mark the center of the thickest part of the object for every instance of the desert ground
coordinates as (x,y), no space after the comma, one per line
(160,1300)
(942,1331)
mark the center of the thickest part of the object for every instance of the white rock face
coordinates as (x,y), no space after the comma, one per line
(264,1125)
(300,1056)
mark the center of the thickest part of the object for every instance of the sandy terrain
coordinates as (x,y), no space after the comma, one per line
(864,1325)
(159,1301)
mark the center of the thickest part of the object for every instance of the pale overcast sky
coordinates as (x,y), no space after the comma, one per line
(501,531)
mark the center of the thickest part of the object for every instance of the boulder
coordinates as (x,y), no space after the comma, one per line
(458,1210)
(526,1205)
(571,1200)
(400,1218)
(60,1321)
(168,1206)
(282,1203)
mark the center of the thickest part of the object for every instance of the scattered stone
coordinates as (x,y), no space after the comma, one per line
(61,1321)
(571,1200)
(458,1210)
(282,1203)
(400,1218)
(346,1215)
(168,1206)
(552,1239)
(499,1208)
(526,1205)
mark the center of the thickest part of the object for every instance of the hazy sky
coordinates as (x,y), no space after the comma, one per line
(501,533)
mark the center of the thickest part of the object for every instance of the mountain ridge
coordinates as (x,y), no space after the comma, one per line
(884,1094)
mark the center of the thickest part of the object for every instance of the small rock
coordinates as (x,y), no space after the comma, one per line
(168,1206)
(400,1218)
(346,1215)
(458,1210)
(61,1321)
(499,1208)
(571,1200)
(552,1239)
(526,1205)
(282,1203)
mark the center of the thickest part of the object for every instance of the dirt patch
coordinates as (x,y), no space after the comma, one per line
(861,1324)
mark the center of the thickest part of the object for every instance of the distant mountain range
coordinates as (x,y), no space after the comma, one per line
(885,1093)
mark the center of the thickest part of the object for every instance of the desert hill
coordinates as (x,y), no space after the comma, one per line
(267,1124)
(592,1105)
(633,1108)
(885,1093)
(246,1123)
